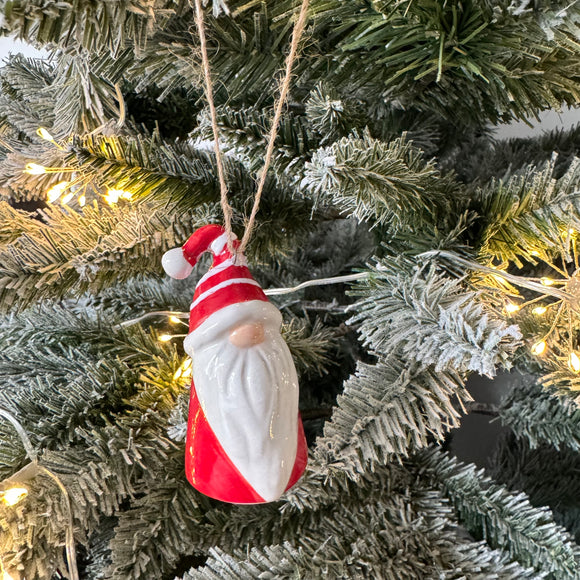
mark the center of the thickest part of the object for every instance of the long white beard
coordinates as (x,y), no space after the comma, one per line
(249,395)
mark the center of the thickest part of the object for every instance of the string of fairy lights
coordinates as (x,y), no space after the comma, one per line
(555,298)
(64,191)
(563,306)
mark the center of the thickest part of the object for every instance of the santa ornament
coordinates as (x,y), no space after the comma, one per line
(245,441)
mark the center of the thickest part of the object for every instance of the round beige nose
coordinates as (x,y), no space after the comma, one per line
(247,335)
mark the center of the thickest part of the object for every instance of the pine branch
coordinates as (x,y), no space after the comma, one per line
(15,223)
(481,158)
(148,167)
(158,529)
(397,525)
(26,102)
(502,518)
(460,556)
(113,459)
(388,411)
(43,368)
(423,315)
(527,214)
(167,61)
(33,534)
(378,182)
(283,222)
(185,177)
(90,25)
(441,57)
(541,417)
(98,552)
(83,100)
(72,252)
(243,132)
(309,344)
(375,538)
(272,562)
(140,295)
(476,62)
(330,116)
(549,477)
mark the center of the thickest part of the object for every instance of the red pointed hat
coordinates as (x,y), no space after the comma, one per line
(228,281)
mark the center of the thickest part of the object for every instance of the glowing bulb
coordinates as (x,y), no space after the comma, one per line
(511,307)
(56,191)
(184,370)
(44,134)
(114,195)
(67,198)
(539,310)
(174,319)
(574,362)
(187,368)
(534,253)
(539,348)
(165,337)
(34,169)
(13,495)
(547,281)
(82,200)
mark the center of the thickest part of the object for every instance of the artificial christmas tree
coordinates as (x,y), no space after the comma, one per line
(452,255)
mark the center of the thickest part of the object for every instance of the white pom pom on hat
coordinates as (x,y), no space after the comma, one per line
(175,264)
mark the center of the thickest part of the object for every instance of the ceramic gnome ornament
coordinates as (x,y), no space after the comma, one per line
(245,441)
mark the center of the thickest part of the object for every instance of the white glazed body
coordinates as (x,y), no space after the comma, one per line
(249,395)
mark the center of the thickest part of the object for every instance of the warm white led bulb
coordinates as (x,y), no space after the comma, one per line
(184,370)
(56,191)
(539,348)
(187,368)
(165,337)
(114,195)
(13,495)
(510,308)
(44,134)
(34,169)
(67,198)
(539,310)
(574,362)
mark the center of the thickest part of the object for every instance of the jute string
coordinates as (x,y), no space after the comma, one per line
(226,207)
(278,108)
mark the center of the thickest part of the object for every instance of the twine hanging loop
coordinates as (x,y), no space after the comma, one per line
(278,108)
